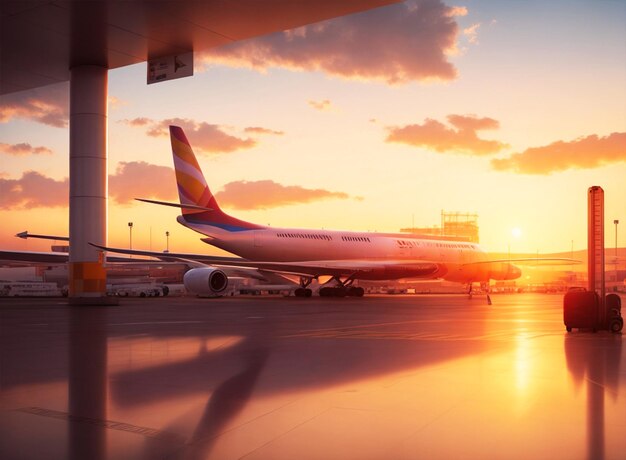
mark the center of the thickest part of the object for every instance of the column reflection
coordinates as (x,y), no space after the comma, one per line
(87,383)
(596,360)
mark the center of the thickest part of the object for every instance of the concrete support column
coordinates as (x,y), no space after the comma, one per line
(88,181)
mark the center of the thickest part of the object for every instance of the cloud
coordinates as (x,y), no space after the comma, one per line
(116,102)
(260,130)
(457,11)
(33,190)
(138,179)
(266,194)
(396,44)
(139,121)
(23,149)
(471,33)
(583,153)
(48,105)
(461,138)
(204,137)
(320,105)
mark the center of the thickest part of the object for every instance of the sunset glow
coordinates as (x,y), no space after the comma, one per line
(375,121)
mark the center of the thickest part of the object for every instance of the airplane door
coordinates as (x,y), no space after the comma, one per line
(404,249)
(258,238)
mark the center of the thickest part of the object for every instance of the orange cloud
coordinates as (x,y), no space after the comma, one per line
(320,105)
(23,149)
(461,138)
(471,33)
(260,130)
(204,137)
(135,179)
(397,44)
(138,179)
(48,105)
(582,153)
(266,194)
(457,11)
(116,102)
(140,121)
(33,190)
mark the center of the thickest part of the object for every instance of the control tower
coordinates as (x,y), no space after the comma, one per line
(459,226)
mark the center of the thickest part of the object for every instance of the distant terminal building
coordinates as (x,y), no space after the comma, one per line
(457,226)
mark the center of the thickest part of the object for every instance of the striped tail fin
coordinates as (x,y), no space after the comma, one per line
(194,190)
(192,186)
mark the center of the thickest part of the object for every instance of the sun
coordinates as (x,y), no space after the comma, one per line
(516,232)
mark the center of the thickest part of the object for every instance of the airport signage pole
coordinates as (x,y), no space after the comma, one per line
(616,260)
(595,247)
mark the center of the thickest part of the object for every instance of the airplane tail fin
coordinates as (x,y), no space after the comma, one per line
(194,191)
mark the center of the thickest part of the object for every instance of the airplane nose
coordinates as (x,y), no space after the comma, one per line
(514,272)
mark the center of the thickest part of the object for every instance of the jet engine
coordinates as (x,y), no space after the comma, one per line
(505,271)
(206,281)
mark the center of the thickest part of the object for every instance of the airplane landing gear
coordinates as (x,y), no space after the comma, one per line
(344,289)
(303,292)
(484,287)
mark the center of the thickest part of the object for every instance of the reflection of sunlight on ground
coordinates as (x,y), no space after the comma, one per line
(406,377)
(463,408)
(49,395)
(503,402)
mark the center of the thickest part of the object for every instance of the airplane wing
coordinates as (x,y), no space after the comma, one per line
(34,257)
(53,258)
(363,269)
(531,261)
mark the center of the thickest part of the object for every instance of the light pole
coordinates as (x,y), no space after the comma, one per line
(167,241)
(130,234)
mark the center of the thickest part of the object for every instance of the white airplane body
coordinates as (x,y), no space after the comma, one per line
(311,254)
(373,256)
(342,256)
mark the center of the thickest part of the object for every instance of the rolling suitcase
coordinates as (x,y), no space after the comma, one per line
(580,310)
(614,313)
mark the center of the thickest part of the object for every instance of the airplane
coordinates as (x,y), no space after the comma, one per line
(311,254)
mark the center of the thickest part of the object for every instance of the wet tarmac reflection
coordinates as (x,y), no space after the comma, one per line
(595,361)
(274,378)
(87,382)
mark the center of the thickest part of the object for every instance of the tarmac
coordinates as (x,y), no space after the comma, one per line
(379,377)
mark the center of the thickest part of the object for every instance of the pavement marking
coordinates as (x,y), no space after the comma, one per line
(143,323)
(282,435)
(110,424)
(348,333)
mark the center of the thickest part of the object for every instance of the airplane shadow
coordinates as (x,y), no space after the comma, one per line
(268,361)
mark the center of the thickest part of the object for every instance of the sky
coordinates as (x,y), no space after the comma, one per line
(371,122)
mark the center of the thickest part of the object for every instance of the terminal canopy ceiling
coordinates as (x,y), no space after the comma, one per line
(41,40)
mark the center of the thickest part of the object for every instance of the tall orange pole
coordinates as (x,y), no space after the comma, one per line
(595,247)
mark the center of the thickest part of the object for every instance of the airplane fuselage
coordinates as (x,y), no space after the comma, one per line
(457,259)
